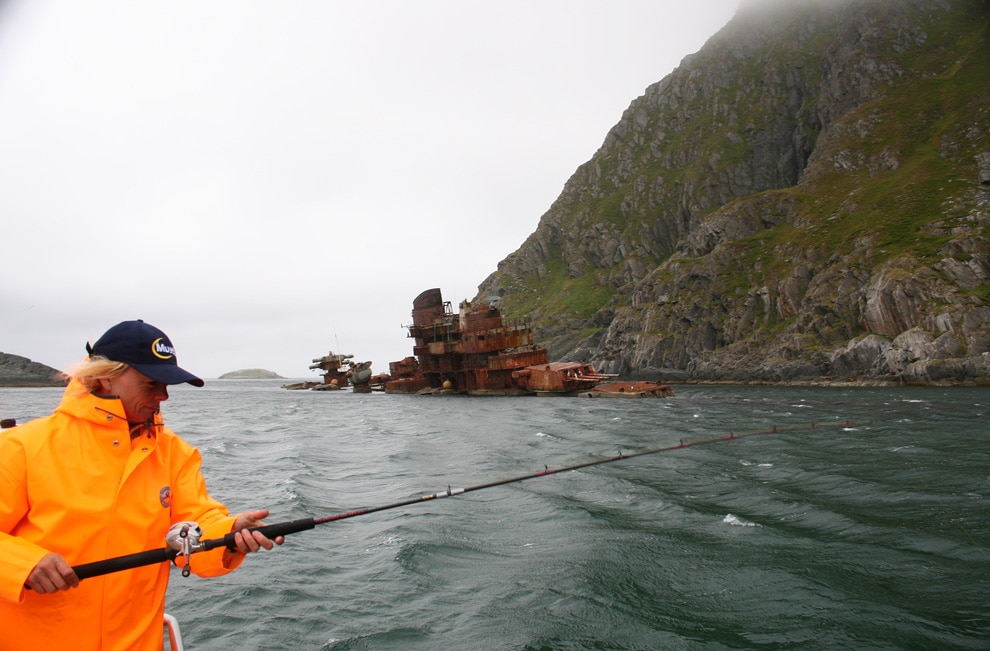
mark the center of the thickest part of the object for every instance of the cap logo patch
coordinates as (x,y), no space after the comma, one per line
(162,350)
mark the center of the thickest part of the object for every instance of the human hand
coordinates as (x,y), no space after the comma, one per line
(252,541)
(51,574)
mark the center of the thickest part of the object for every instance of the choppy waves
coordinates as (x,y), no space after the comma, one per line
(865,536)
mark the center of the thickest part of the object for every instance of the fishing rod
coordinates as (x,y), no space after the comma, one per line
(183,538)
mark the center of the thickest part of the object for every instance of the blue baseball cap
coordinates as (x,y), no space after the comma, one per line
(144,348)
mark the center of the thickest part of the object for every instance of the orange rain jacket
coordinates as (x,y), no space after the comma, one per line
(74,483)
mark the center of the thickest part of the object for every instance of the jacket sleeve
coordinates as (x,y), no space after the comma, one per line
(192,502)
(17,555)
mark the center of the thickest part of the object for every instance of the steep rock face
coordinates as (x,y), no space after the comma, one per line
(803,197)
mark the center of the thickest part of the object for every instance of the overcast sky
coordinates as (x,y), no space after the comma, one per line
(268,181)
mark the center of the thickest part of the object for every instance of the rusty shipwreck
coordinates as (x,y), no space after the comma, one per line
(476,352)
(336,376)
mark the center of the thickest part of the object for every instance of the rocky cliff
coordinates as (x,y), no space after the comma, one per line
(807,196)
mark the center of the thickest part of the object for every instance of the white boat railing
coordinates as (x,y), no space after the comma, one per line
(174,636)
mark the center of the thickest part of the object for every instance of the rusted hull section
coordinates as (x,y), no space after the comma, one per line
(630,390)
(560,377)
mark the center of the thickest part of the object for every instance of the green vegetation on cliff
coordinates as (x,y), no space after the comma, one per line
(797,185)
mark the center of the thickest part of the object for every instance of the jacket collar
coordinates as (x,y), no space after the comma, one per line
(101,411)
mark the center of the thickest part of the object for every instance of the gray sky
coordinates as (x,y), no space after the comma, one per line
(268,181)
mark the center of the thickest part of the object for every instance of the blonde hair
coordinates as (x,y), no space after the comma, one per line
(93,369)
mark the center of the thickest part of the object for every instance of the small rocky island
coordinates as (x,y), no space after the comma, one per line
(17,371)
(251,374)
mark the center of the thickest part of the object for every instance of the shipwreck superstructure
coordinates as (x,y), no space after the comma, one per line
(334,374)
(475,351)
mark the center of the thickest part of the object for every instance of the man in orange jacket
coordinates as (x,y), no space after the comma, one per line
(99,478)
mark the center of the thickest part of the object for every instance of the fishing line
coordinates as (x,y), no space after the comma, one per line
(186,541)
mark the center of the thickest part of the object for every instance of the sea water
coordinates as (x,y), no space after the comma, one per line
(870,531)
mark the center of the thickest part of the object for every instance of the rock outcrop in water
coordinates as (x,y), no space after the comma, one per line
(807,196)
(17,371)
(251,374)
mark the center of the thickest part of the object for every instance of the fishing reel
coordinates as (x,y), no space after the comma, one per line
(184,537)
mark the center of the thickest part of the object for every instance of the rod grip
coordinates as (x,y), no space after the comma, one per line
(269,530)
(128,562)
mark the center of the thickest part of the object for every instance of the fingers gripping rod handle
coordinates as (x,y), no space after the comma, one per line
(271,531)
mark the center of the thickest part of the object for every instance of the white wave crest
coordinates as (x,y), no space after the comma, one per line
(736,521)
